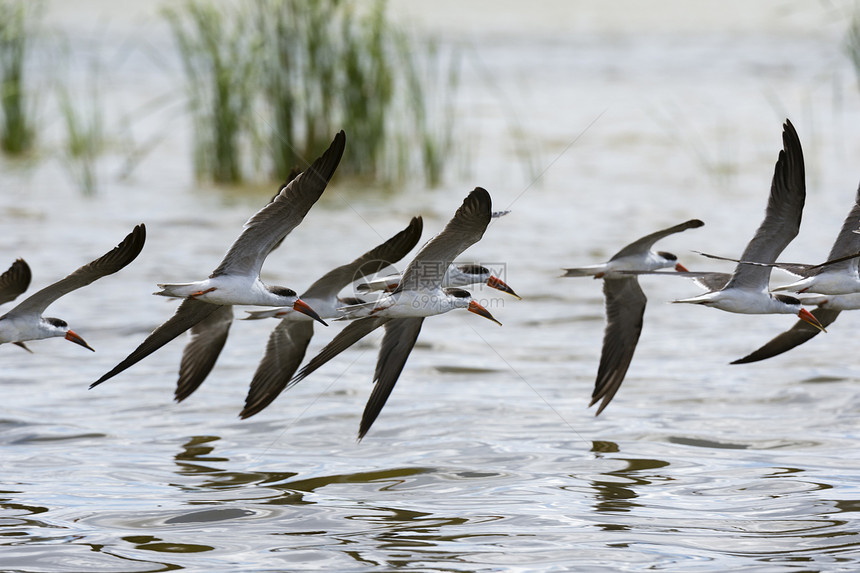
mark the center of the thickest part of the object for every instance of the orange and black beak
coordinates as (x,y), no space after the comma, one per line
(681,268)
(74,337)
(808,317)
(303,308)
(481,311)
(499,284)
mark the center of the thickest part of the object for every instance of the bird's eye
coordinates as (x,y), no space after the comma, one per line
(459,293)
(474,269)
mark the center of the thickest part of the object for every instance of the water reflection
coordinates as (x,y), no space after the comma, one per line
(617,494)
(13,520)
(465,516)
(199,449)
(280,487)
(150,543)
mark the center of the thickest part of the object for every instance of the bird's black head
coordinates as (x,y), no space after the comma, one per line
(472,269)
(458,292)
(58,322)
(282,291)
(667,256)
(787,299)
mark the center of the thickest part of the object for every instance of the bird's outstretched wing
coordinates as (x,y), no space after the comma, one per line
(466,228)
(794,336)
(782,217)
(200,354)
(107,264)
(644,244)
(397,343)
(369,263)
(625,307)
(14,281)
(352,333)
(289,340)
(190,312)
(267,228)
(284,354)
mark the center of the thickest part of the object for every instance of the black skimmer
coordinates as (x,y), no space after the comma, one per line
(625,305)
(402,312)
(25,321)
(207,305)
(838,275)
(457,275)
(289,340)
(835,282)
(637,256)
(746,290)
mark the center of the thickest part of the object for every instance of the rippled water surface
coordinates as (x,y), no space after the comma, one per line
(486,457)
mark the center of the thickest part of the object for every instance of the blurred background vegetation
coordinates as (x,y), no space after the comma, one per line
(267,83)
(18,23)
(277,78)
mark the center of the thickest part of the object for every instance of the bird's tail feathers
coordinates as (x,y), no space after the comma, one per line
(581,272)
(180,290)
(260,314)
(694,300)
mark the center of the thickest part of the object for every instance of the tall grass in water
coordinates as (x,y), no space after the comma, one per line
(300,70)
(327,67)
(852,43)
(85,136)
(18,20)
(370,72)
(219,49)
(431,87)
(290,73)
(335,64)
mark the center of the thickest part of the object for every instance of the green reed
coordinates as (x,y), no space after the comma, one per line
(218,48)
(431,88)
(852,44)
(299,59)
(327,67)
(369,68)
(84,139)
(287,74)
(18,19)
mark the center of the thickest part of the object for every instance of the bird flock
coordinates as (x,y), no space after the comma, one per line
(432,284)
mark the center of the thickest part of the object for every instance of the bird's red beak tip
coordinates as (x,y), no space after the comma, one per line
(808,317)
(304,308)
(498,284)
(481,311)
(73,336)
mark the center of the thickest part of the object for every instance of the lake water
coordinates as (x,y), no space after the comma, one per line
(486,457)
